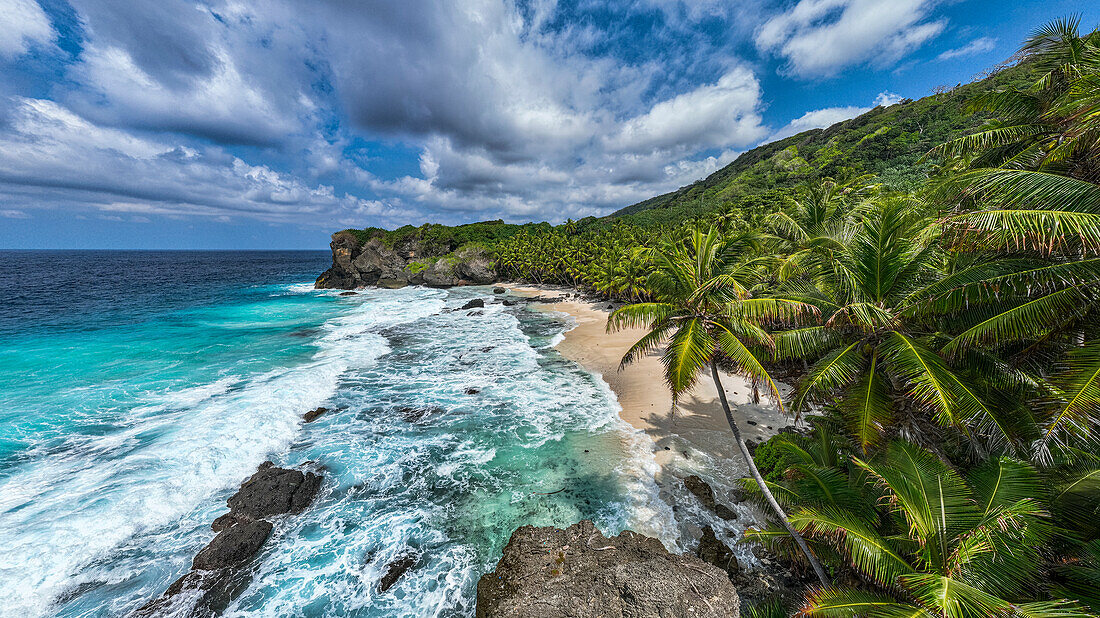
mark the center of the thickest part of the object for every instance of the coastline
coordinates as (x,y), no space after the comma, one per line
(687,436)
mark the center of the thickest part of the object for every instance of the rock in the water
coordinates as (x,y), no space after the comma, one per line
(508,303)
(218,571)
(705,494)
(474,304)
(412,414)
(349,293)
(580,573)
(313,415)
(499,290)
(232,546)
(274,491)
(714,551)
(395,570)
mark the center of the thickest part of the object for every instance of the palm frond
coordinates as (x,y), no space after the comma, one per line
(1075,413)
(837,369)
(689,352)
(639,315)
(868,407)
(867,551)
(853,603)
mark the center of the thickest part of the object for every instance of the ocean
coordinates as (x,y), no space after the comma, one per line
(139,389)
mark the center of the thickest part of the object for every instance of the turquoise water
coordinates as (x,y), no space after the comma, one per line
(137,391)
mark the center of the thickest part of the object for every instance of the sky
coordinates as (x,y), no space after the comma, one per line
(255,124)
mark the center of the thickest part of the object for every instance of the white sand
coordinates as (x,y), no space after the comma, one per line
(696,425)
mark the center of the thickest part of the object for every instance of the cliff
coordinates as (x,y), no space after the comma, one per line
(359,262)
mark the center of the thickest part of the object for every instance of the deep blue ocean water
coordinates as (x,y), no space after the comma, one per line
(139,389)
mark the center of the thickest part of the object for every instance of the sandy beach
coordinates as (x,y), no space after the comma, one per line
(694,432)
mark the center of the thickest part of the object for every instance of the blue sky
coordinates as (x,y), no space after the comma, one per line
(239,124)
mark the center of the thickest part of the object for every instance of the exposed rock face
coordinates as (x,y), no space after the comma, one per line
(218,571)
(580,573)
(475,303)
(705,494)
(356,264)
(395,570)
(713,551)
(314,414)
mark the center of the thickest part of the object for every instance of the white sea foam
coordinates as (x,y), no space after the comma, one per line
(59,515)
(445,486)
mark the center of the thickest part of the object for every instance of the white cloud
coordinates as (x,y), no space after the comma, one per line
(12,213)
(713,115)
(977,46)
(827,117)
(22,24)
(73,162)
(820,37)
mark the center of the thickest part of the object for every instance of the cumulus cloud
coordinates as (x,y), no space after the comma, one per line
(22,23)
(820,37)
(977,46)
(827,117)
(712,115)
(383,113)
(68,160)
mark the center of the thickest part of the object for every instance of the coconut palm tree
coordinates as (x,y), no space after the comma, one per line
(817,223)
(879,345)
(920,538)
(704,311)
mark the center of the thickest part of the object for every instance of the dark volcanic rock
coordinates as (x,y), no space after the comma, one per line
(395,570)
(274,491)
(233,546)
(499,290)
(218,572)
(508,303)
(473,391)
(713,551)
(313,415)
(474,304)
(705,494)
(580,573)
(349,293)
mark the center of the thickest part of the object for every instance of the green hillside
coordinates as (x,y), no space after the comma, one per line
(886,141)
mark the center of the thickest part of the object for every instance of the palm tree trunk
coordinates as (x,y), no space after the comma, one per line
(760,479)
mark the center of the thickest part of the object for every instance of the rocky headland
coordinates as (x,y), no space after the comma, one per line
(358,262)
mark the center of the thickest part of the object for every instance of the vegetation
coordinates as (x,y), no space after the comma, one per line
(931,273)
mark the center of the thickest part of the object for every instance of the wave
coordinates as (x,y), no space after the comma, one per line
(63,515)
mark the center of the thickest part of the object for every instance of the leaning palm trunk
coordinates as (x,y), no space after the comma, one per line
(820,572)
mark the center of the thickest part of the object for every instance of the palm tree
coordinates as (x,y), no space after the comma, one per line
(880,343)
(920,538)
(817,223)
(704,310)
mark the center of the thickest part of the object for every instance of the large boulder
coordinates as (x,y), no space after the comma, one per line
(579,573)
(701,490)
(713,551)
(219,571)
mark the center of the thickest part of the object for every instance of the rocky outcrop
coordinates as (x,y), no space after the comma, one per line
(701,490)
(372,263)
(713,551)
(218,572)
(579,573)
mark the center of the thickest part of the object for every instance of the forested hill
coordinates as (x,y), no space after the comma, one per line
(886,141)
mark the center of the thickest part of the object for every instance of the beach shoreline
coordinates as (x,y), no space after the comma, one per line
(690,435)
